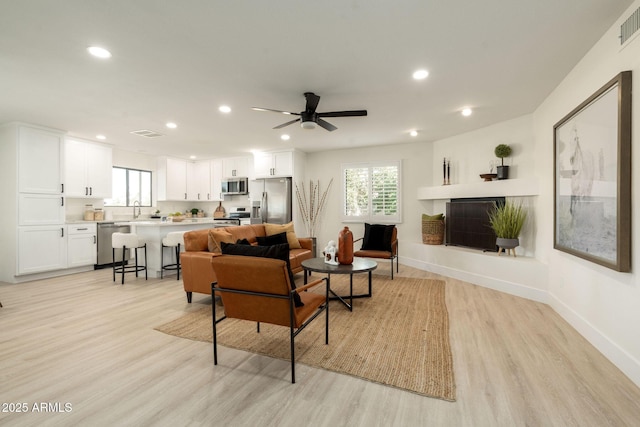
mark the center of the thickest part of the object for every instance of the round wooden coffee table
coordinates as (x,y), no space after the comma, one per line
(359,265)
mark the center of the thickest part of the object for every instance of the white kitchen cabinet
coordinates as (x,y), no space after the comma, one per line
(235,167)
(39,153)
(216,180)
(199,181)
(273,164)
(87,169)
(40,209)
(182,180)
(32,195)
(82,245)
(41,248)
(172,179)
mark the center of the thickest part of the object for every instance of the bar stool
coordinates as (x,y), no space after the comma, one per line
(175,240)
(126,241)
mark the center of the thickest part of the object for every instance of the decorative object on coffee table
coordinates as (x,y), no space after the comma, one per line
(502,151)
(345,246)
(330,253)
(507,220)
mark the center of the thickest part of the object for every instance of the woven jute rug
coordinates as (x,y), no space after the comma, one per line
(399,337)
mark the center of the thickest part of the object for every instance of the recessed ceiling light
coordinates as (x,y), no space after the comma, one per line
(192,157)
(420,74)
(466,111)
(171,125)
(99,52)
(285,137)
(101,137)
(413,133)
(224,109)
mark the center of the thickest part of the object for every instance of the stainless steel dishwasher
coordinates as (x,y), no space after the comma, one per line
(105,230)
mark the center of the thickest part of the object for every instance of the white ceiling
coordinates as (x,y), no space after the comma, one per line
(179,60)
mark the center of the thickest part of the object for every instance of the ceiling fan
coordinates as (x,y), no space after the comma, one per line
(309,118)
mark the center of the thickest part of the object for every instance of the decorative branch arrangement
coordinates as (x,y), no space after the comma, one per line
(311,207)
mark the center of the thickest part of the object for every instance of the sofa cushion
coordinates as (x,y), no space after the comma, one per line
(271,229)
(216,237)
(377,237)
(276,239)
(240,232)
(280,251)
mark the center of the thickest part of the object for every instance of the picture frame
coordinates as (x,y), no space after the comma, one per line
(592,177)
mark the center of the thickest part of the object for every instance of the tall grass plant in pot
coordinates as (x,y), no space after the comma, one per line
(507,221)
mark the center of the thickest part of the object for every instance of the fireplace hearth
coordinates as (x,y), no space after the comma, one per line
(467,223)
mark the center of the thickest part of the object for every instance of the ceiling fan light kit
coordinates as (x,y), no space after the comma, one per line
(309,119)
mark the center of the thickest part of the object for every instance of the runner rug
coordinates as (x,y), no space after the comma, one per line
(399,337)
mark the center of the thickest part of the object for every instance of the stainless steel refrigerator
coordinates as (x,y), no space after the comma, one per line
(271,200)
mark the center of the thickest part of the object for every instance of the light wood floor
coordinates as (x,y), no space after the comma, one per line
(83,340)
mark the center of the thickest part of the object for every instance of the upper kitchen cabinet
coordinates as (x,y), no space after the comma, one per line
(182,180)
(199,181)
(216,179)
(235,167)
(273,164)
(39,153)
(172,179)
(87,169)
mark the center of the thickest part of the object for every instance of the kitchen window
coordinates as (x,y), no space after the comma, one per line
(129,186)
(371,192)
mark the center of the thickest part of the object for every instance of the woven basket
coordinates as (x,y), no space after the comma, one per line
(432,232)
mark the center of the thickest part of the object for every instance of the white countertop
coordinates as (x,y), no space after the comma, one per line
(153,222)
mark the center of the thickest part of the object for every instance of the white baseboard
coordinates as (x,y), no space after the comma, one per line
(629,365)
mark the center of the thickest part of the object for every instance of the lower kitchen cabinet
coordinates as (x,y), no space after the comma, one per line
(82,244)
(41,248)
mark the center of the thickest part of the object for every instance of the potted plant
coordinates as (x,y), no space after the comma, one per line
(507,220)
(502,151)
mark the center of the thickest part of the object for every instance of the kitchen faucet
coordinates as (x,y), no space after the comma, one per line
(134,209)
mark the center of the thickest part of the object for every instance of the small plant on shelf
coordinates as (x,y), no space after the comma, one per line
(507,221)
(501,151)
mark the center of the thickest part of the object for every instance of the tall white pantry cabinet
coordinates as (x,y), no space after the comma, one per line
(32,194)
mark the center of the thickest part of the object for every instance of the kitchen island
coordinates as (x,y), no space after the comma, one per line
(152,232)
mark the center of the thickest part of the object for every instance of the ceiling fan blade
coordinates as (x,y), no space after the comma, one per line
(312,101)
(352,113)
(325,124)
(287,124)
(275,111)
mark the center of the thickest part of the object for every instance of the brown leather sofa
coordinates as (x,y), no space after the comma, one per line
(197,272)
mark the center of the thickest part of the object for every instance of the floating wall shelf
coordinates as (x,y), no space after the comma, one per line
(505,187)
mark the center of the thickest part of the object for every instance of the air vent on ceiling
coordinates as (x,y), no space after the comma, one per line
(630,26)
(146,133)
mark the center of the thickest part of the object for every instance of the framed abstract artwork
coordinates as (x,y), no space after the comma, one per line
(592,177)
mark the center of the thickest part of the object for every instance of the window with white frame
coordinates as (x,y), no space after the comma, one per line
(371,192)
(129,186)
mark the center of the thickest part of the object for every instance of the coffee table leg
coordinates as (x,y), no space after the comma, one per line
(370,288)
(305,277)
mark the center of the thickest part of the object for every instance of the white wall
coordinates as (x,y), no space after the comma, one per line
(603,305)
(416,172)
(600,303)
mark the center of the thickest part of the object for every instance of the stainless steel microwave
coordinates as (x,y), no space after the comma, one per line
(233,186)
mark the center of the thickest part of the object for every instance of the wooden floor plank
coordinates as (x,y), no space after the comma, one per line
(83,340)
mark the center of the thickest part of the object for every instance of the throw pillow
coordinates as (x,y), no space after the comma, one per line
(271,229)
(276,239)
(280,251)
(216,237)
(243,242)
(377,237)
